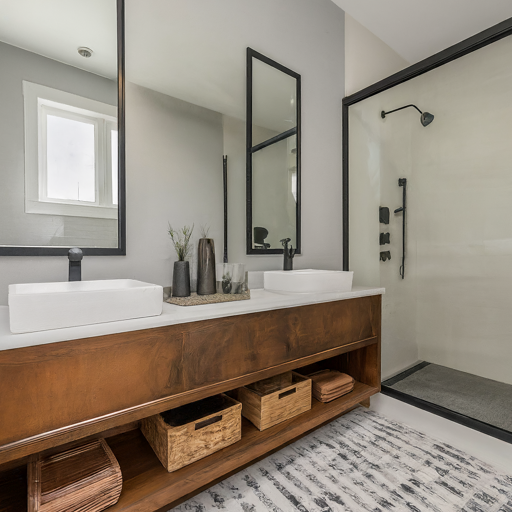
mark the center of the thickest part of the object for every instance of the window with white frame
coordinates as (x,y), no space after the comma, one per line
(70,154)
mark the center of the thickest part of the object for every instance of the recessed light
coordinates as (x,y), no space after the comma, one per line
(85,52)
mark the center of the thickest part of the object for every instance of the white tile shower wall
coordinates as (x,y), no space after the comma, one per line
(463,173)
(453,308)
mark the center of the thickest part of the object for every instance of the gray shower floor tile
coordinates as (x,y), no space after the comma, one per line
(483,399)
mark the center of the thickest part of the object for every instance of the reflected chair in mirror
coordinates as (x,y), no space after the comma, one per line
(259,238)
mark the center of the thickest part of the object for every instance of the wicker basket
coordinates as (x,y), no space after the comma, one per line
(269,402)
(194,431)
(86,477)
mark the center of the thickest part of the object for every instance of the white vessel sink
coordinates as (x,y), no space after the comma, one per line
(44,306)
(308,281)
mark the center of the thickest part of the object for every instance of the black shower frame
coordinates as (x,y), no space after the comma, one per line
(480,40)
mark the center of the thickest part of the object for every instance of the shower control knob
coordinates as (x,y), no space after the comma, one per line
(385,255)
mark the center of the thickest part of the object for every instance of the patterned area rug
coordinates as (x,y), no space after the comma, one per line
(362,462)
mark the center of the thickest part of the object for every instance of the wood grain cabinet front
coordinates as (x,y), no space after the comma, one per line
(56,393)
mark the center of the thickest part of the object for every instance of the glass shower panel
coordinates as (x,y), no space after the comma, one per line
(449,319)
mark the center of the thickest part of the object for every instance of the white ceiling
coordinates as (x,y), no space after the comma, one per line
(416,29)
(57,28)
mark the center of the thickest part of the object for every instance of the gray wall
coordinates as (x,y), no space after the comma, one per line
(312,44)
(16,226)
(163,154)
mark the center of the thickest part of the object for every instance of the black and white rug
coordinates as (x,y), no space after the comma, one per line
(362,462)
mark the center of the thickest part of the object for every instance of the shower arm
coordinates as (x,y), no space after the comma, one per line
(383,114)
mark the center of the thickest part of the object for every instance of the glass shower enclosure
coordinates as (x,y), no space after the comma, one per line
(444,186)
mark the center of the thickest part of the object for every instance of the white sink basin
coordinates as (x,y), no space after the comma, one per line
(308,281)
(43,306)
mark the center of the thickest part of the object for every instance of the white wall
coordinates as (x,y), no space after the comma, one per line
(453,307)
(367,58)
(306,36)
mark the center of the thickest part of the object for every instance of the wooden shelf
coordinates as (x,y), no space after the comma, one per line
(147,486)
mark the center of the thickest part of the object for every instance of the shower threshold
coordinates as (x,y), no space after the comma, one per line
(482,404)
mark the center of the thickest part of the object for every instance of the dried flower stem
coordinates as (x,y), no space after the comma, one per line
(181,240)
(205,229)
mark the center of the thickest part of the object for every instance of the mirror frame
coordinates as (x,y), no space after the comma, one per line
(120,250)
(249,151)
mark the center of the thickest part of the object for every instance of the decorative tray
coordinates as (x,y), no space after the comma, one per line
(199,300)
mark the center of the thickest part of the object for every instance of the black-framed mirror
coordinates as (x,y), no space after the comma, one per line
(273,155)
(62,150)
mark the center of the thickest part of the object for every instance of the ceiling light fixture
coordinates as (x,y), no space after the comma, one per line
(85,52)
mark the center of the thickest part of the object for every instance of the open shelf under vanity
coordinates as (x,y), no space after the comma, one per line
(147,486)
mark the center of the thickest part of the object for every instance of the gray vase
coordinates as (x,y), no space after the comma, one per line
(206,284)
(181,279)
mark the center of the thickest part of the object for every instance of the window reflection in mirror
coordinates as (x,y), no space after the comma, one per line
(59,149)
(273,163)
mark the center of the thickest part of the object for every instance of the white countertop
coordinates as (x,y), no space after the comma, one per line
(261,300)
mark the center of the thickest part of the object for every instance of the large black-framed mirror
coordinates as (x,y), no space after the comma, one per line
(273,148)
(62,150)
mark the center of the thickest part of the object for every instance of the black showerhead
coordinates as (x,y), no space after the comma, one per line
(426,117)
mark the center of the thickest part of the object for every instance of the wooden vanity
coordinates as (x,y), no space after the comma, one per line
(59,394)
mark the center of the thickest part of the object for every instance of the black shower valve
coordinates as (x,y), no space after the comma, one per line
(385,255)
(384,238)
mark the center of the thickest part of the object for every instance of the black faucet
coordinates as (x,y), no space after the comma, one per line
(75,256)
(289,253)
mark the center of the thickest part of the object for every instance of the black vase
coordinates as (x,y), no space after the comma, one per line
(206,284)
(181,279)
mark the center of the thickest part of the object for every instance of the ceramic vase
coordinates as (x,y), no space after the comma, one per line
(181,279)
(206,284)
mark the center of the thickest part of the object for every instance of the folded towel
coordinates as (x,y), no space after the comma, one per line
(332,396)
(330,384)
(329,380)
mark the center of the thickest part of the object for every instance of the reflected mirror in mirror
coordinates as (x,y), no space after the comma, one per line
(273,155)
(59,124)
